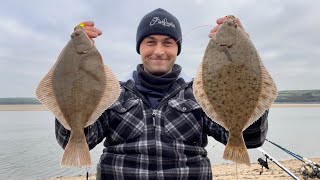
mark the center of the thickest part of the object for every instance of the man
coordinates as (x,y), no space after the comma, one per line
(156,129)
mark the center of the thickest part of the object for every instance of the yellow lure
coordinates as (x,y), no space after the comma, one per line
(81,25)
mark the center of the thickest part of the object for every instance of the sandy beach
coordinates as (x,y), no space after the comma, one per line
(23,107)
(39,107)
(228,171)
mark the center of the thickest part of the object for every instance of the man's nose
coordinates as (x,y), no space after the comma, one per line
(159,49)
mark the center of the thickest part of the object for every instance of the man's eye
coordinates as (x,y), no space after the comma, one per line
(168,43)
(150,42)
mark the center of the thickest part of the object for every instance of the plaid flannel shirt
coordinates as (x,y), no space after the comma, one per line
(163,143)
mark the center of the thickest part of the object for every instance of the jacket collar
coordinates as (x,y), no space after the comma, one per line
(174,89)
(179,84)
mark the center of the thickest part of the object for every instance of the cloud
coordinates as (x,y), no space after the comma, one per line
(32,35)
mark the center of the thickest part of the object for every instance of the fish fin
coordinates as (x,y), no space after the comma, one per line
(110,95)
(76,153)
(201,97)
(267,96)
(236,150)
(46,96)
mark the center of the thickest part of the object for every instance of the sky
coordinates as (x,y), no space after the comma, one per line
(33,33)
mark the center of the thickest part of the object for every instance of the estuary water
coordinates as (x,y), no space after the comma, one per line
(29,150)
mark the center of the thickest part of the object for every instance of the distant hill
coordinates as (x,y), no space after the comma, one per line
(301,96)
(19,100)
(289,96)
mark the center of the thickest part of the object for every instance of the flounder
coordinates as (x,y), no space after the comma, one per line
(233,87)
(77,90)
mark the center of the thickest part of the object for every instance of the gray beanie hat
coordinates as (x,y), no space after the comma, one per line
(159,22)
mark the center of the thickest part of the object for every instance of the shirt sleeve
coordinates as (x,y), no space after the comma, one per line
(254,136)
(94,133)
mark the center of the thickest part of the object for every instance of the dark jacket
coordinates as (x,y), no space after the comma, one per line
(163,143)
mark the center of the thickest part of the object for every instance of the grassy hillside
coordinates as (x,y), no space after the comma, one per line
(290,96)
(302,96)
(19,101)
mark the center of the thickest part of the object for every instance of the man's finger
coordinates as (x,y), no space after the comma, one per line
(220,20)
(93,29)
(88,23)
(215,29)
(91,34)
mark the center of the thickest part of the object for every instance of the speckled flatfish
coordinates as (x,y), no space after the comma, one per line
(77,90)
(233,87)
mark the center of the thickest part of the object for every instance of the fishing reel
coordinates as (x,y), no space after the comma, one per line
(263,163)
(310,171)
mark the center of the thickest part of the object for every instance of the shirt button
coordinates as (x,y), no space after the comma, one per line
(184,109)
(123,109)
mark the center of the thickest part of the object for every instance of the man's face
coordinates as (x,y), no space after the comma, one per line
(158,54)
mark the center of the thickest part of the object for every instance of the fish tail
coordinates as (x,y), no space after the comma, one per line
(236,150)
(76,153)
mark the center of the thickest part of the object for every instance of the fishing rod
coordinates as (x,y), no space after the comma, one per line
(311,169)
(295,155)
(276,162)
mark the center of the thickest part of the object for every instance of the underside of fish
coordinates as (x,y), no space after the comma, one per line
(77,90)
(233,87)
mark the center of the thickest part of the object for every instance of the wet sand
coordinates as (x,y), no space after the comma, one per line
(228,171)
(23,107)
(39,107)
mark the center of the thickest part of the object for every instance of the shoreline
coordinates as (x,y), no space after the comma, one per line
(228,171)
(22,107)
(40,107)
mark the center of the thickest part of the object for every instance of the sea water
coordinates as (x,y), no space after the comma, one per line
(29,150)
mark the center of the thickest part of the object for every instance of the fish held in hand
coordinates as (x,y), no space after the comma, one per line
(233,87)
(77,90)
